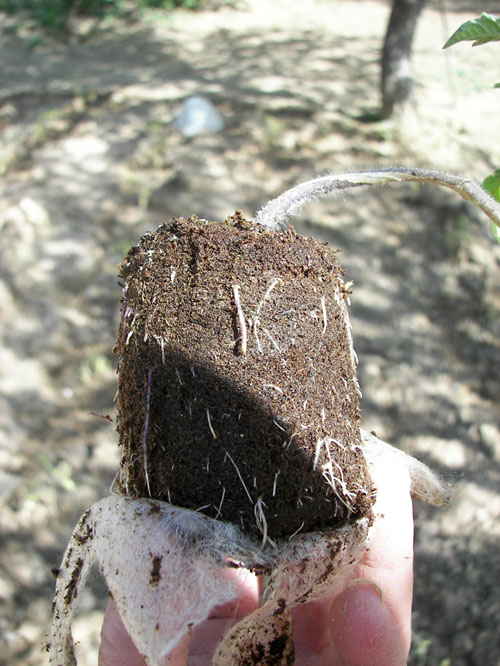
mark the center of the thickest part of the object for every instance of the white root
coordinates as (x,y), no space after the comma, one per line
(239,476)
(268,293)
(325,316)
(276,388)
(241,319)
(145,431)
(319,445)
(275,482)
(273,341)
(212,431)
(219,508)
(296,531)
(260,521)
(256,321)
(255,324)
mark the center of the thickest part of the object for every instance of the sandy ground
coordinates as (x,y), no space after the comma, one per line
(89,162)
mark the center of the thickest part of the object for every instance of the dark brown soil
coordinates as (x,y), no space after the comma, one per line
(237,387)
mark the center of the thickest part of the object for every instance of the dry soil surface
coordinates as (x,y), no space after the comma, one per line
(90,161)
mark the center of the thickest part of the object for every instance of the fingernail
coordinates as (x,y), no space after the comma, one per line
(362,628)
(370,583)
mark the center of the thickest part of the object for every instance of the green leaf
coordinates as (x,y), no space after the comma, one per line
(495,232)
(480,31)
(492,184)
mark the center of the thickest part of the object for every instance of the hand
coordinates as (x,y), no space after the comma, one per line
(356,628)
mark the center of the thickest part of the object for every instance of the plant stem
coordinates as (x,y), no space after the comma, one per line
(275,213)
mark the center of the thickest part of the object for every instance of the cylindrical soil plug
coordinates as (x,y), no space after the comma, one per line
(237,390)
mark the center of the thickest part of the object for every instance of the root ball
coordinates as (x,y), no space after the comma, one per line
(237,392)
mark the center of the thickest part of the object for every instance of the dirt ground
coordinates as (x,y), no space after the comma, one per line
(90,161)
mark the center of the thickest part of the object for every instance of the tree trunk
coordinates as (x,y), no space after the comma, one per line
(397,76)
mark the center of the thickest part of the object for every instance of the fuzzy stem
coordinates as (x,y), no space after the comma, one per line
(275,213)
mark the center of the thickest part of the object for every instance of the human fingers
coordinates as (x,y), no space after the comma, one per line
(206,635)
(363,629)
(197,647)
(118,649)
(358,612)
(388,561)
(116,646)
(312,635)
(355,630)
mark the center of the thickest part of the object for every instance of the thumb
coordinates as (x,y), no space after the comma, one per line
(363,630)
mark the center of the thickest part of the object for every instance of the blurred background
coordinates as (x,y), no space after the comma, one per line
(98,146)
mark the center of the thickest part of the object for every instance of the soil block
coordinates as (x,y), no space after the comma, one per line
(237,392)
